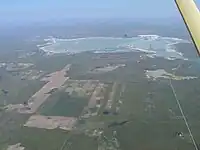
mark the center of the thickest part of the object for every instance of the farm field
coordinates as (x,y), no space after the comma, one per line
(119,101)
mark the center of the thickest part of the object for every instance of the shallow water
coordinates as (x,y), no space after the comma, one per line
(161,47)
(161,73)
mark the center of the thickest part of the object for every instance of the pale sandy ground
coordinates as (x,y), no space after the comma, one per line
(107,68)
(55,80)
(95,101)
(51,122)
(111,96)
(81,87)
(95,96)
(16,147)
(14,107)
(161,73)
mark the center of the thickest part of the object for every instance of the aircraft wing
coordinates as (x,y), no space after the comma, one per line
(191,16)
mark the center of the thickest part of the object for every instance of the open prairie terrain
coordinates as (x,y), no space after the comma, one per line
(119,101)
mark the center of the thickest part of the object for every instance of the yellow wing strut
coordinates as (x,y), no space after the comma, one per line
(191,16)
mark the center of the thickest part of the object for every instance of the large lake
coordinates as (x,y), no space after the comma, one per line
(153,45)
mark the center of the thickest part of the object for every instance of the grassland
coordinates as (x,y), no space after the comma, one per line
(61,104)
(144,113)
(153,116)
(18,90)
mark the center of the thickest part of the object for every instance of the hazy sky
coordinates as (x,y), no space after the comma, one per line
(51,9)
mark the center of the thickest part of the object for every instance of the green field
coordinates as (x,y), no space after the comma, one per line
(152,125)
(18,90)
(33,138)
(153,122)
(61,104)
(148,117)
